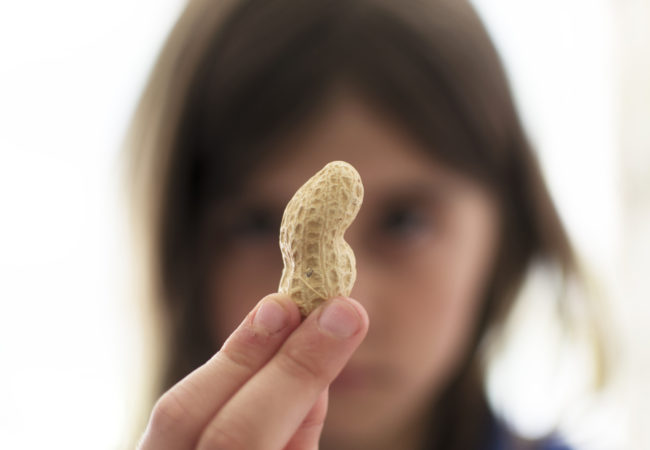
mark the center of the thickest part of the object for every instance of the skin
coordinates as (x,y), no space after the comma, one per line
(425,241)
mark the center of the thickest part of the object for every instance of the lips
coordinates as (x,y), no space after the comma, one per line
(360,377)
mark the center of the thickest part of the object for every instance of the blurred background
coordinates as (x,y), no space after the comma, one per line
(70,74)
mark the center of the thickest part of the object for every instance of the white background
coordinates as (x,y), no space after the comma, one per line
(70,74)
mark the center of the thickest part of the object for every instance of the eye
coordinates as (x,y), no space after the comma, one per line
(256,222)
(404,221)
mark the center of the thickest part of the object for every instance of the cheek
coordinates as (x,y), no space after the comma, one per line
(460,269)
(437,332)
(451,284)
(428,304)
(420,325)
(242,277)
(436,321)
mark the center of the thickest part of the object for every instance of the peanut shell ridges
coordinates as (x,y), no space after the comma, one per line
(318,263)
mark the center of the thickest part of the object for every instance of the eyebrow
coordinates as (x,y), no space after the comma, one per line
(411,192)
(264,201)
(414,192)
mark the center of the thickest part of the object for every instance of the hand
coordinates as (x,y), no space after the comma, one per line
(267,387)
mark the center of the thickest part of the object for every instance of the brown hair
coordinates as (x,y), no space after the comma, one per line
(234,75)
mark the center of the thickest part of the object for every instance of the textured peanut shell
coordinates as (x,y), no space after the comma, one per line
(318,263)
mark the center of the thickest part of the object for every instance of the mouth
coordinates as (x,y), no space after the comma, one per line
(360,377)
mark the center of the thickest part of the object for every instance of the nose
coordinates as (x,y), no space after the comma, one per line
(368,285)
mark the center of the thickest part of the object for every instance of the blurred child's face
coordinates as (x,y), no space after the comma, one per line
(425,241)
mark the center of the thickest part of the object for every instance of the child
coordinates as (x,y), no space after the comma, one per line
(247,101)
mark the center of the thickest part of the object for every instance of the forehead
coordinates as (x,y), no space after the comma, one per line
(347,129)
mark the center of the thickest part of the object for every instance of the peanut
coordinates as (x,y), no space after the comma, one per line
(318,263)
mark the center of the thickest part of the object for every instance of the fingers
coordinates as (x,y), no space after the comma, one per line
(267,411)
(183,412)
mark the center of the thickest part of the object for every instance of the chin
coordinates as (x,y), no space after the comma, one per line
(366,413)
(357,415)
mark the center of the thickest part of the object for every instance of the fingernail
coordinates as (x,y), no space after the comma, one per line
(339,319)
(271,317)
